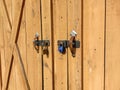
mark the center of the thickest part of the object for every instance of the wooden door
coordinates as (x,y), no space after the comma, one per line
(96,63)
(21,66)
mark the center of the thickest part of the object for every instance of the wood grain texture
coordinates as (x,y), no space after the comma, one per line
(2,66)
(6,31)
(8,8)
(20,74)
(7,11)
(47,35)
(16,12)
(60,33)
(75,65)
(12,81)
(33,26)
(1,45)
(20,57)
(2,51)
(93,44)
(112,79)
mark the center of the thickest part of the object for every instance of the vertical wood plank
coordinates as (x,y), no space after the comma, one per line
(21,67)
(22,41)
(1,29)
(47,35)
(7,25)
(1,45)
(6,28)
(93,44)
(74,23)
(60,33)
(34,59)
(2,67)
(112,78)
(17,7)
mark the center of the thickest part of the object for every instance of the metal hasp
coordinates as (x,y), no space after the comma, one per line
(66,43)
(72,44)
(43,43)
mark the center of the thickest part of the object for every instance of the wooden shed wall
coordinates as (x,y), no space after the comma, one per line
(97,62)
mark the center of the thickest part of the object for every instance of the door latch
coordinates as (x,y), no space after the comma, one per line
(72,44)
(42,43)
(62,44)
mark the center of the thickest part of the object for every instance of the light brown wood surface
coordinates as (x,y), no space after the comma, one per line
(75,63)
(96,64)
(112,60)
(1,45)
(93,44)
(47,31)
(60,33)
(16,17)
(34,59)
(6,30)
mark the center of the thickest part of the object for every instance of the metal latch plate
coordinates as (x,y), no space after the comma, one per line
(42,43)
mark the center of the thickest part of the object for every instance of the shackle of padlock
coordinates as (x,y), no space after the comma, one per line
(43,43)
(72,44)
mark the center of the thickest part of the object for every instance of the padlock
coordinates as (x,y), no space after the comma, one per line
(61,49)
